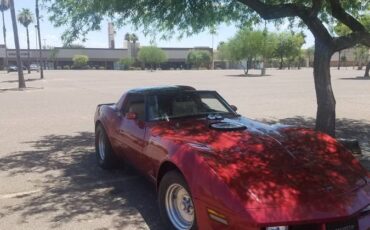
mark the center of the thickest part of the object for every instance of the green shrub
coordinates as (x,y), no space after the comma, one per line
(126,63)
(152,56)
(199,58)
(80,61)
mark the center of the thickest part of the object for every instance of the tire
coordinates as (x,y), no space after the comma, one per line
(104,153)
(173,183)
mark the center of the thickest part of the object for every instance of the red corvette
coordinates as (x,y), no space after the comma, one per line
(215,169)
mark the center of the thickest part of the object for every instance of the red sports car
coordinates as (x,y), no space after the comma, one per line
(215,169)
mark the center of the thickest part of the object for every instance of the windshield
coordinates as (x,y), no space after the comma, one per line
(185,104)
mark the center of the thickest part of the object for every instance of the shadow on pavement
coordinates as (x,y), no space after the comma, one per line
(75,189)
(26,80)
(355,78)
(345,128)
(18,89)
(247,75)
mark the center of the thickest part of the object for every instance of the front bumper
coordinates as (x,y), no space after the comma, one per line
(360,221)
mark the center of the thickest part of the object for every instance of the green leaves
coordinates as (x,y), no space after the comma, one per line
(152,55)
(165,18)
(25,17)
(80,61)
(289,45)
(199,58)
(126,62)
(248,44)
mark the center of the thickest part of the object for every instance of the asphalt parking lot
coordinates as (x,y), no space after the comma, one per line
(48,175)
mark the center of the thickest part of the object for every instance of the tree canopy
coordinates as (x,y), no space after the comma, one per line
(126,62)
(188,17)
(288,47)
(152,55)
(25,17)
(199,58)
(248,45)
(80,61)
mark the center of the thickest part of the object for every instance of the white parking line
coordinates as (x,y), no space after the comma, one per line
(99,182)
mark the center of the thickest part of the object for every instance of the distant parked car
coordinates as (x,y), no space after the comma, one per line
(14,68)
(34,67)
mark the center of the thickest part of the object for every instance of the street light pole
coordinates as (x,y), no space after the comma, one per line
(39,38)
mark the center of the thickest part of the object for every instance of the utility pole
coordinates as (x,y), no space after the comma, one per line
(39,38)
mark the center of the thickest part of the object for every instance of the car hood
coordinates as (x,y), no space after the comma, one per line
(273,166)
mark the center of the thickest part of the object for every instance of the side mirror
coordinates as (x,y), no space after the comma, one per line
(131,116)
(233,107)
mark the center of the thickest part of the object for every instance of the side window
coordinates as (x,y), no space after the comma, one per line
(135,104)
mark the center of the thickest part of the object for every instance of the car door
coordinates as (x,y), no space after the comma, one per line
(132,130)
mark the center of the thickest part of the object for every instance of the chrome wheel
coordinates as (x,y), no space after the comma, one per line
(179,207)
(101,146)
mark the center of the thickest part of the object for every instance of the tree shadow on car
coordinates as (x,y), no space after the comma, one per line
(345,128)
(74,189)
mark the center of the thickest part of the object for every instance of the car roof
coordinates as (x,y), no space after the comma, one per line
(161,89)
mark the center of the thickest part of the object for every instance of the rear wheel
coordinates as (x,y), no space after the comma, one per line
(175,202)
(103,149)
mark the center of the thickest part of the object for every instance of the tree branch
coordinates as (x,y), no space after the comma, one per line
(316,7)
(272,11)
(351,40)
(341,15)
(308,15)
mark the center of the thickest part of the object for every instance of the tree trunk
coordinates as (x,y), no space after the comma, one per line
(338,60)
(281,62)
(21,82)
(325,117)
(28,49)
(39,36)
(367,70)
(4,34)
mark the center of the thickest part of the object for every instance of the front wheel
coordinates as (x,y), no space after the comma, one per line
(175,203)
(104,153)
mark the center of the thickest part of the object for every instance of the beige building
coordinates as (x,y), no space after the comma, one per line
(59,58)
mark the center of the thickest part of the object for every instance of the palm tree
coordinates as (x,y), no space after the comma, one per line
(128,38)
(213,32)
(25,17)
(134,39)
(21,82)
(39,38)
(4,6)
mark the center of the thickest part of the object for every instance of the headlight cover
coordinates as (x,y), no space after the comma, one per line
(278,228)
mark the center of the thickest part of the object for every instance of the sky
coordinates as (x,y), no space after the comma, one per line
(99,39)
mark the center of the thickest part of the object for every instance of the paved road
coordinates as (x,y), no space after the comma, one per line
(47,167)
